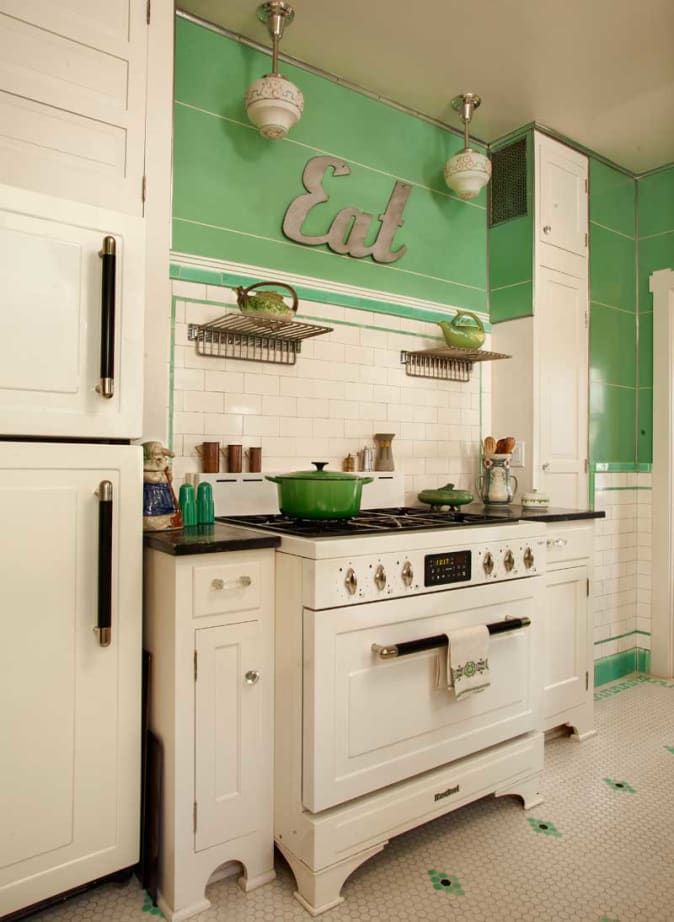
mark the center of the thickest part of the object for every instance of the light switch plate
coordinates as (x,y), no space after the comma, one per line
(517,459)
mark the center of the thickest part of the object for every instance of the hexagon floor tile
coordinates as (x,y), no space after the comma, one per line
(613,861)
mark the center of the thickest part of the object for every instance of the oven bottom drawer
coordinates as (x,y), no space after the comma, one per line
(370,722)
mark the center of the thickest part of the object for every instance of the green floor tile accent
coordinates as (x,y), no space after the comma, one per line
(150,908)
(609,919)
(670,749)
(447,882)
(544,826)
(620,786)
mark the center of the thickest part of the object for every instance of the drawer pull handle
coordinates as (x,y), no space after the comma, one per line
(241,583)
(252,677)
(557,542)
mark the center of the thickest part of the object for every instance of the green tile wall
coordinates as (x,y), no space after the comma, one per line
(656,251)
(511,256)
(613,316)
(231,188)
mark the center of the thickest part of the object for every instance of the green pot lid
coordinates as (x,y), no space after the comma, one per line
(318,474)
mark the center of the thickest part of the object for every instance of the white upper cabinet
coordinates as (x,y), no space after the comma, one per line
(561,207)
(59,328)
(72,99)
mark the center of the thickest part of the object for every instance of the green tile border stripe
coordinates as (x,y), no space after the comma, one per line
(620,467)
(327,320)
(633,682)
(619,489)
(339,299)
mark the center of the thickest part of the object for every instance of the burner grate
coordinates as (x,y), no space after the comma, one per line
(367,522)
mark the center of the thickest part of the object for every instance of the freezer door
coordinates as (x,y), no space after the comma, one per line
(371,721)
(70,552)
(71,319)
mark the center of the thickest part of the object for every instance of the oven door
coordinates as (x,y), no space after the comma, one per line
(369,722)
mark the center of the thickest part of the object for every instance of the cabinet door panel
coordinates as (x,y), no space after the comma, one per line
(72,99)
(567,643)
(50,319)
(561,306)
(562,197)
(228,729)
(69,722)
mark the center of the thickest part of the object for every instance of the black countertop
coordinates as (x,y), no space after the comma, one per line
(208,539)
(529,514)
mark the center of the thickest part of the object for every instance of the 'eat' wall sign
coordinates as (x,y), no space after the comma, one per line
(350,226)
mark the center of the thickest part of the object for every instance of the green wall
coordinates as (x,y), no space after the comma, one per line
(613,315)
(231,187)
(656,251)
(511,257)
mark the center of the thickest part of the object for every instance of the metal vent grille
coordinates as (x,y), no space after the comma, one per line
(508,186)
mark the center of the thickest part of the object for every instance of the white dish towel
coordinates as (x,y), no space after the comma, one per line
(468,660)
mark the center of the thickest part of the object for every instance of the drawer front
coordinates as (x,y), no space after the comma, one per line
(226,587)
(568,543)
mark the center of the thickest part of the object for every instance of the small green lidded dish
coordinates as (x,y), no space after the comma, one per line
(461,335)
(445,496)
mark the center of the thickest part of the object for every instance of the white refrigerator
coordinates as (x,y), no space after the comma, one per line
(71,324)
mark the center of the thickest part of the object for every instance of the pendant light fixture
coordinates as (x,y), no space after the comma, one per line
(273,103)
(468,171)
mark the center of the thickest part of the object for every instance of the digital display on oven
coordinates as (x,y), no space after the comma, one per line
(452,567)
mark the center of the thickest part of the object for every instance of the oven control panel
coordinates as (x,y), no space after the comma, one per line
(452,567)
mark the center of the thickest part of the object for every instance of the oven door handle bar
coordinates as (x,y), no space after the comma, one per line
(440,640)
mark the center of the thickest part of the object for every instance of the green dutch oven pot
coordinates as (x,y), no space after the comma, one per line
(458,333)
(319,494)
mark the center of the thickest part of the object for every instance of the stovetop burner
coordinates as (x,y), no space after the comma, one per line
(368,521)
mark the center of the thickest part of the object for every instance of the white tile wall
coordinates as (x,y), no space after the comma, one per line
(346,386)
(622,563)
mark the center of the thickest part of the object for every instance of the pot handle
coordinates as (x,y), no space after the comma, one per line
(273,479)
(512,477)
(319,465)
(470,314)
(365,480)
(242,293)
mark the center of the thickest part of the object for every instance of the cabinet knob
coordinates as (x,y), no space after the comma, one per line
(546,466)
(252,677)
(547,229)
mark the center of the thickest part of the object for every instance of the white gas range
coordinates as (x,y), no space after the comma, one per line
(368,742)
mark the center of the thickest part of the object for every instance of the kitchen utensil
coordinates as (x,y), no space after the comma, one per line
(319,494)
(383,460)
(489,445)
(205,509)
(254,460)
(535,500)
(266,303)
(445,496)
(235,459)
(497,485)
(366,459)
(505,446)
(459,334)
(209,452)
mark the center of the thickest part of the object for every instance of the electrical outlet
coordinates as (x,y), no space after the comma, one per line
(517,459)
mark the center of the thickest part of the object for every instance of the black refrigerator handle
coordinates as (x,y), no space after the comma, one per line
(104,625)
(108,255)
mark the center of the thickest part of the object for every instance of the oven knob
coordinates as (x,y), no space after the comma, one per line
(351,581)
(528,558)
(508,561)
(380,577)
(407,573)
(488,563)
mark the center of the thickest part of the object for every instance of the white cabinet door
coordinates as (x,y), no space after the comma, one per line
(51,319)
(72,99)
(228,740)
(562,212)
(567,641)
(562,392)
(70,714)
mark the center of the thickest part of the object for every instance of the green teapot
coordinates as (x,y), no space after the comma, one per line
(462,335)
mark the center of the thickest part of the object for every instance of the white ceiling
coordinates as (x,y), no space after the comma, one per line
(599,71)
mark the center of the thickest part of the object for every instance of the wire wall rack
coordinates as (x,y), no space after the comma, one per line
(253,339)
(446,364)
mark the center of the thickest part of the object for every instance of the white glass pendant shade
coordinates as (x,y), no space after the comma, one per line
(467,172)
(274,105)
